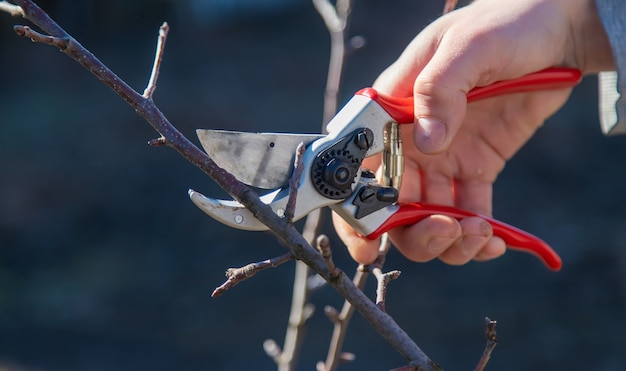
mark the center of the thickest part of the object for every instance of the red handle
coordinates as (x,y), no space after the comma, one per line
(401,109)
(514,238)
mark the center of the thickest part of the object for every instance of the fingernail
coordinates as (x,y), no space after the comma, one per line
(430,134)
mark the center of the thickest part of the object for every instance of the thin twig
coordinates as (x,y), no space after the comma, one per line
(238,275)
(323,246)
(492,341)
(12,9)
(337,20)
(382,279)
(341,320)
(301,310)
(161,141)
(285,233)
(287,358)
(158,58)
(37,37)
(381,288)
(294,183)
(329,15)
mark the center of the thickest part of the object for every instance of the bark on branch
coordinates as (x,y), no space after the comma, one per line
(285,232)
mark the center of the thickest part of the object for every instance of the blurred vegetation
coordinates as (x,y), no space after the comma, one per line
(105,264)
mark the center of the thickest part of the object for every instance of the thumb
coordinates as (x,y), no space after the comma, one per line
(440,102)
(438,77)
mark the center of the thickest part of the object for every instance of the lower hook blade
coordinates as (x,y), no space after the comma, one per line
(228,212)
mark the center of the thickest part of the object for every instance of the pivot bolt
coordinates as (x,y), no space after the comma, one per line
(364,139)
(338,174)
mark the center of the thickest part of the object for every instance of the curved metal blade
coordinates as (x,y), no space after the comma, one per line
(262,160)
(231,213)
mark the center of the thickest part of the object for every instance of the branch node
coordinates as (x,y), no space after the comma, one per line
(356,43)
(383,281)
(332,314)
(236,275)
(347,357)
(294,183)
(157,142)
(330,16)
(323,246)
(36,37)
(272,349)
(492,341)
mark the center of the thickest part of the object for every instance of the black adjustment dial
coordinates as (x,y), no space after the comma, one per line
(336,167)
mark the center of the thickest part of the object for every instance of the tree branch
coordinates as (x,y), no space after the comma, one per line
(284,232)
(158,58)
(238,275)
(299,314)
(323,246)
(294,183)
(341,320)
(34,36)
(492,341)
(337,20)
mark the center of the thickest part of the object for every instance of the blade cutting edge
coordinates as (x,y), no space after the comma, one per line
(262,160)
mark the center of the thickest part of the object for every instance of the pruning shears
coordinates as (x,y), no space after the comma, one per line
(331,173)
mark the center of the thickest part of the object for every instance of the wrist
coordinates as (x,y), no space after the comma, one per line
(591,50)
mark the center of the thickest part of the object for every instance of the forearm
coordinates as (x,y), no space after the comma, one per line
(612,85)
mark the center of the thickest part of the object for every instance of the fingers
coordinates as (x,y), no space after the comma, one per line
(427,239)
(476,242)
(474,46)
(363,251)
(454,242)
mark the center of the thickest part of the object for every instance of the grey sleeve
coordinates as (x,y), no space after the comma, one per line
(612,85)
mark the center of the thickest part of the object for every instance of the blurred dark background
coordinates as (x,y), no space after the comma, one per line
(106,265)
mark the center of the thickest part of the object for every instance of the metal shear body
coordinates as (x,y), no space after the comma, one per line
(332,176)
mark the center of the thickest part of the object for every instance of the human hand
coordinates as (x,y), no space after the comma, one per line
(459,148)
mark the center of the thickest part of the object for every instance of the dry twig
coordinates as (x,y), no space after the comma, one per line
(340,321)
(237,275)
(294,183)
(382,279)
(158,58)
(492,341)
(285,232)
(381,289)
(323,246)
(336,20)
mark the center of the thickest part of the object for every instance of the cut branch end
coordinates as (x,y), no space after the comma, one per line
(492,341)
(157,142)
